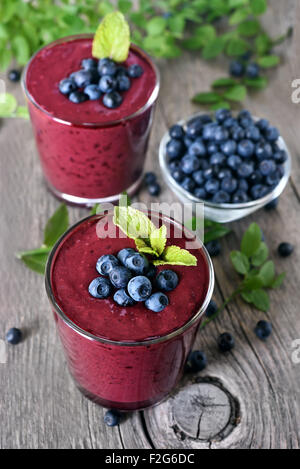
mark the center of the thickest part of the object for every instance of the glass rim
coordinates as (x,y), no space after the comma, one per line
(151,100)
(145,342)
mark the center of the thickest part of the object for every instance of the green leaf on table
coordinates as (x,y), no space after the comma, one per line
(263,44)
(252,282)
(258,83)
(261,255)
(22,111)
(216,232)
(246,295)
(5,58)
(260,299)
(240,262)
(56,226)
(223,82)
(249,28)
(258,7)
(236,93)
(8,105)
(238,16)
(213,48)
(124,6)
(36,262)
(156,26)
(267,273)
(237,3)
(206,98)
(174,255)
(21,49)
(268,61)
(277,282)
(236,47)
(220,105)
(112,38)
(251,240)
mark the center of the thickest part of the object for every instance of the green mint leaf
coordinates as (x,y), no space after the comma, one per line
(261,255)
(220,105)
(124,6)
(236,47)
(268,61)
(240,262)
(223,83)
(112,38)
(158,239)
(213,48)
(133,223)
(8,105)
(237,3)
(21,49)
(252,283)
(174,255)
(258,7)
(236,93)
(56,226)
(216,233)
(258,83)
(263,44)
(35,261)
(267,273)
(249,28)
(246,297)
(5,58)
(238,16)
(260,299)
(277,282)
(206,98)
(125,200)
(251,240)
(143,246)
(156,26)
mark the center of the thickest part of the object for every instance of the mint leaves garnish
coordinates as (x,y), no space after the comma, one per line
(112,38)
(9,107)
(149,239)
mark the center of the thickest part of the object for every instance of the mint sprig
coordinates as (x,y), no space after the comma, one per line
(257,272)
(112,38)
(149,239)
(9,107)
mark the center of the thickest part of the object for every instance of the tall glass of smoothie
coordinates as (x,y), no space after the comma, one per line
(89,153)
(130,357)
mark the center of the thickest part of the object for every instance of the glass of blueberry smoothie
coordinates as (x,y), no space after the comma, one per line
(126,325)
(91,118)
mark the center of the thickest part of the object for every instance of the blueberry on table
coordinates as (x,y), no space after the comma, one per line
(112,100)
(107,84)
(150,177)
(139,288)
(137,263)
(78,97)
(122,298)
(135,71)
(124,253)
(176,131)
(196,361)
(14,75)
(211,309)
(120,276)
(285,249)
(100,288)
(236,69)
(106,263)
(252,70)
(89,64)
(175,148)
(154,189)
(123,83)
(112,418)
(107,67)
(263,329)
(157,302)
(213,247)
(221,197)
(93,92)
(272,205)
(167,280)
(13,336)
(226,342)
(189,164)
(66,86)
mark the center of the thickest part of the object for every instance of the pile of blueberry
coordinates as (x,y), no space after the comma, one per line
(227,159)
(99,78)
(130,278)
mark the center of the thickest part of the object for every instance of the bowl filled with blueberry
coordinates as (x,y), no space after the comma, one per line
(234,164)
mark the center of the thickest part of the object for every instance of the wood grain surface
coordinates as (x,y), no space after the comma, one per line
(249,398)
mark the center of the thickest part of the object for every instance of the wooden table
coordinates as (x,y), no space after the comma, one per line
(254,391)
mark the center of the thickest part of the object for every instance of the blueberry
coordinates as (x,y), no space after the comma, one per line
(255,178)
(107,67)
(107,84)
(267,167)
(204,164)
(112,100)
(150,177)
(123,83)
(154,189)
(135,71)
(212,186)
(272,134)
(237,133)
(246,122)
(139,288)
(217,158)
(89,64)
(285,249)
(221,197)
(263,151)
(174,164)
(240,197)
(205,119)
(236,69)
(14,75)
(212,148)
(196,361)
(228,147)
(157,302)
(263,330)
(213,248)
(122,298)
(167,280)
(112,418)
(200,193)
(120,276)
(234,161)
(252,70)
(137,263)
(124,253)
(208,173)
(224,173)
(246,148)
(230,123)
(211,309)
(272,205)
(83,78)
(197,148)
(253,133)
(66,86)
(187,141)
(229,185)
(93,92)
(280,156)
(226,342)
(244,114)
(178,175)
(175,148)
(258,191)
(243,185)
(194,127)
(176,131)
(221,135)
(151,272)
(209,131)
(106,263)
(189,164)
(222,114)
(273,179)
(77,97)
(188,184)
(245,170)
(13,336)
(100,287)
(262,124)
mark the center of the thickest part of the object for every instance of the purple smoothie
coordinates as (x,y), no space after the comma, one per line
(127,358)
(88,153)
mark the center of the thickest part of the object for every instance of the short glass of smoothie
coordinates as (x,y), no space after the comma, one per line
(89,153)
(126,358)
